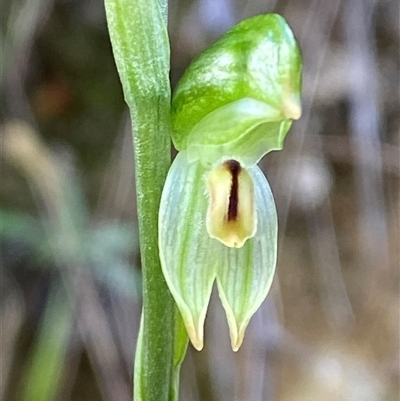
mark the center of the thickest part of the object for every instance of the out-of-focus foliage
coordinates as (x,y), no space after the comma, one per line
(69,301)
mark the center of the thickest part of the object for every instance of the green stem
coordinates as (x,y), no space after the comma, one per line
(158,307)
(140,44)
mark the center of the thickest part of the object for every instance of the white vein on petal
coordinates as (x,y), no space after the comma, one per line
(184,243)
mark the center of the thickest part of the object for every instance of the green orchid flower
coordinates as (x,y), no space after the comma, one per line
(217,220)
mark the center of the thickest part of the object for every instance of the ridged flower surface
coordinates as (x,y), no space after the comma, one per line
(217,219)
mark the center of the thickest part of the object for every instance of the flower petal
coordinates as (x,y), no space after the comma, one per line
(231,216)
(245,275)
(234,129)
(187,253)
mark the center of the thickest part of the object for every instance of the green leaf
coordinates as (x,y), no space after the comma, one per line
(180,347)
(46,364)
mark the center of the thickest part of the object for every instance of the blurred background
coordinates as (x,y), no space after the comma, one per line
(70,266)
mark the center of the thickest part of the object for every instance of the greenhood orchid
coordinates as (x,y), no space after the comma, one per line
(217,219)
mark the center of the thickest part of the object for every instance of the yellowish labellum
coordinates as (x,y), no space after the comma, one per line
(231,216)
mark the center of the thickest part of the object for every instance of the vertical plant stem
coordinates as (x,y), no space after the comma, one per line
(141,50)
(156,352)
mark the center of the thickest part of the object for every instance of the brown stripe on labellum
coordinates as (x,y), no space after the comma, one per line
(234,167)
(231,216)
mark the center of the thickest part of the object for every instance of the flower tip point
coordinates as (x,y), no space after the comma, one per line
(236,341)
(197,342)
(196,337)
(198,346)
(237,335)
(292,108)
(235,348)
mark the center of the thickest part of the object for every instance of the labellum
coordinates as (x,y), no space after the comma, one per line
(231,216)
